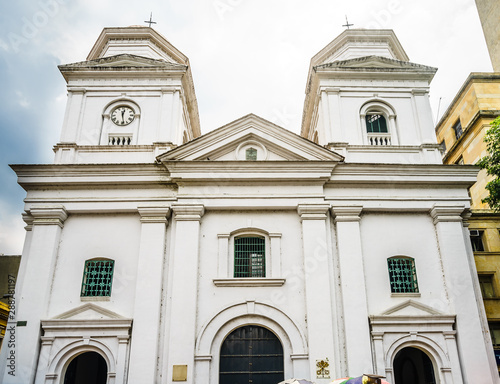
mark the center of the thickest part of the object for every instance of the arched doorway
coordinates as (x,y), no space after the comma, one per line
(413,366)
(251,354)
(89,367)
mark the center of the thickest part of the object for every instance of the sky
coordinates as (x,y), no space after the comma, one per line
(246,57)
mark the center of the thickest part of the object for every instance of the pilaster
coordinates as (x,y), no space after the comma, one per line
(32,296)
(318,286)
(185,258)
(147,308)
(353,287)
(472,348)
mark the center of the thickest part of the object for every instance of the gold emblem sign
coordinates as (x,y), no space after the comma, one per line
(323,369)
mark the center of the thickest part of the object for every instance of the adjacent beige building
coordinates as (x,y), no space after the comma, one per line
(461,132)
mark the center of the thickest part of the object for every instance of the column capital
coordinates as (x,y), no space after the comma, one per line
(48,215)
(347,213)
(154,213)
(28,219)
(188,212)
(449,334)
(447,213)
(313,211)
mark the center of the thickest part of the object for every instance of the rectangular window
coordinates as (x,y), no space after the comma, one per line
(249,257)
(486,284)
(442,146)
(476,239)
(97,278)
(402,275)
(458,129)
(495,334)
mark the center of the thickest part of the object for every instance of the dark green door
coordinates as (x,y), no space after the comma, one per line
(251,354)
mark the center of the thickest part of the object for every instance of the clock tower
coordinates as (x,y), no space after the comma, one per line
(132,99)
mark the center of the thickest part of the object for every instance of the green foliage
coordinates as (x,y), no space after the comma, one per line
(491,163)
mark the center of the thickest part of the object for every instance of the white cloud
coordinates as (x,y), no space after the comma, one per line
(11,232)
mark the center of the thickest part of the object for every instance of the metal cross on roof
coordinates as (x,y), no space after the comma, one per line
(150,20)
(347,23)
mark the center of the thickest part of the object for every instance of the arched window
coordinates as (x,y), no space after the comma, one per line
(402,274)
(249,256)
(97,278)
(378,122)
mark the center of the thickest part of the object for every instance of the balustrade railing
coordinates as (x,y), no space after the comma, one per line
(379,139)
(119,140)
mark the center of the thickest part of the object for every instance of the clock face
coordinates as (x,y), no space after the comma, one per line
(122,115)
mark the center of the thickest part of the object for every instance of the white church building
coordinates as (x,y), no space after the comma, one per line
(249,254)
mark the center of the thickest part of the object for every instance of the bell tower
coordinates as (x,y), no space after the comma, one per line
(368,102)
(132,99)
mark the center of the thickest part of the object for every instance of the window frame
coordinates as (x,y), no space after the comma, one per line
(382,108)
(490,276)
(479,239)
(414,280)
(225,270)
(251,261)
(83,289)
(458,129)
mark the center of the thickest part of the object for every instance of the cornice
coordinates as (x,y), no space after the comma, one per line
(38,176)
(408,174)
(211,171)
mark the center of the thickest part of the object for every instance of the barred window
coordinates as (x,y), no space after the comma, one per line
(249,257)
(251,154)
(402,275)
(97,278)
(376,123)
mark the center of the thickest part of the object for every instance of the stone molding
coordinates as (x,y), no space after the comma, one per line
(192,212)
(154,214)
(48,215)
(447,213)
(313,211)
(28,219)
(249,282)
(347,213)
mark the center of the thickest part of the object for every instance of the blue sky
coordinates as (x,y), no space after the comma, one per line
(246,56)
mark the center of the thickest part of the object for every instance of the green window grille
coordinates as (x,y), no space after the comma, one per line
(97,278)
(376,124)
(251,154)
(249,257)
(402,275)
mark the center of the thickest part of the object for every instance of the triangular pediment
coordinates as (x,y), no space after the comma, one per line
(232,141)
(411,308)
(377,62)
(138,40)
(124,60)
(89,311)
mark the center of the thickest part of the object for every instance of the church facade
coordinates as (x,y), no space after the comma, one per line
(249,254)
